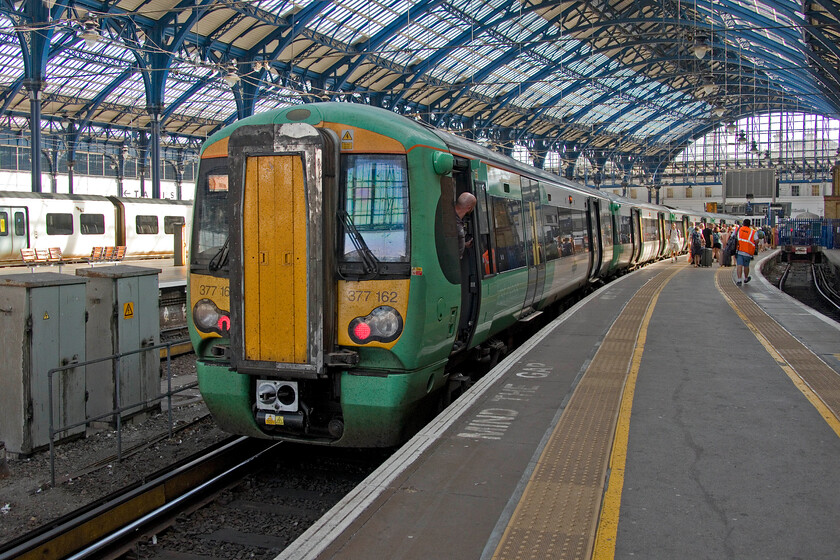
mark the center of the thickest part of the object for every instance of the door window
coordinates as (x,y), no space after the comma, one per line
(20,224)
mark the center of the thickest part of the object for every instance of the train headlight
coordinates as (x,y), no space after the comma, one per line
(383,324)
(209,318)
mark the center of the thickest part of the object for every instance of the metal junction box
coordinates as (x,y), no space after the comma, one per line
(122,305)
(42,326)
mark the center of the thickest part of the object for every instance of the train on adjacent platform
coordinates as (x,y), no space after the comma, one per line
(78,223)
(327,295)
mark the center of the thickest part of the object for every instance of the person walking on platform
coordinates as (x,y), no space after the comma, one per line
(674,241)
(696,245)
(716,246)
(707,235)
(724,238)
(747,243)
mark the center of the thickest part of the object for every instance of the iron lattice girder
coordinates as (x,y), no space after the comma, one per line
(812,87)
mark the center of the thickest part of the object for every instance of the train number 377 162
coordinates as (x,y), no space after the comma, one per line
(370,295)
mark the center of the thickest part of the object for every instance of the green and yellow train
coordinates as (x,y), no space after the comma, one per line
(326,290)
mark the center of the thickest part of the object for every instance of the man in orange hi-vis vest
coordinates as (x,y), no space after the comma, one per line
(747,240)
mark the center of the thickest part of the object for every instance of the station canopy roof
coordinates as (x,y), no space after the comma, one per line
(634,78)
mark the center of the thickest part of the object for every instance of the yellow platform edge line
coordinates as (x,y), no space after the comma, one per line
(607,531)
(800,383)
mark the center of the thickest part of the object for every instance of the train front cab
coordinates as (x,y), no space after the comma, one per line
(301,299)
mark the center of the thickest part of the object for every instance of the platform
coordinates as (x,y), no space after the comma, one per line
(670,414)
(170,276)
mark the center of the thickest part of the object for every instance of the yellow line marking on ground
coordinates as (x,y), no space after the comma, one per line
(800,383)
(605,536)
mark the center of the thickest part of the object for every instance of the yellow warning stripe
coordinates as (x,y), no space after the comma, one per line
(798,380)
(608,523)
(557,515)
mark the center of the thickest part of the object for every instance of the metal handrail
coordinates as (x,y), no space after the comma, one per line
(117,411)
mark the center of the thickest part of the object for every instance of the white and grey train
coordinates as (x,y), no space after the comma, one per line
(78,223)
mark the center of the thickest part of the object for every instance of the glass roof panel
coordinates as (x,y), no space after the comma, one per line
(355,20)
(280,7)
(131,92)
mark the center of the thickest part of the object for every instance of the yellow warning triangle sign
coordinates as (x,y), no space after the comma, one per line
(128,310)
(347,135)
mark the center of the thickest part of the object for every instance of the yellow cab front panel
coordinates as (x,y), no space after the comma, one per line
(275,260)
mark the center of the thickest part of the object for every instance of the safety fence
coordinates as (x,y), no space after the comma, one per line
(823,232)
(117,412)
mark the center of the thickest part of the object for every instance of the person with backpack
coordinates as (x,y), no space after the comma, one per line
(747,242)
(697,242)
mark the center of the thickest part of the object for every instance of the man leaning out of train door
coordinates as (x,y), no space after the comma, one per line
(463,206)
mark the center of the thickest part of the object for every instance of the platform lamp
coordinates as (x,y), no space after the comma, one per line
(699,48)
(89,33)
(231,78)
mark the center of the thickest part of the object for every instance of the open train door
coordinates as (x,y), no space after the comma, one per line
(593,214)
(636,232)
(281,248)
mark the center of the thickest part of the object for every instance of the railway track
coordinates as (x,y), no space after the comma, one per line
(241,498)
(812,284)
(106,526)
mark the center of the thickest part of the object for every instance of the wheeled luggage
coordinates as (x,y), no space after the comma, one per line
(706,257)
(725,257)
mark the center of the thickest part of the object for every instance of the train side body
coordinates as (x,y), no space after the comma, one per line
(78,223)
(327,291)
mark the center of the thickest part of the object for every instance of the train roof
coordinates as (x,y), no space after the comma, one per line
(28,195)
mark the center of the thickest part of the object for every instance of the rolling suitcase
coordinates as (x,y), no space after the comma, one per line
(706,257)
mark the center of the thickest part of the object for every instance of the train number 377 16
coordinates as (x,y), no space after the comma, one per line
(210,290)
(370,295)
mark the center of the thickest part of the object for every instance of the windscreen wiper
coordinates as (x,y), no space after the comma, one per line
(370,262)
(220,259)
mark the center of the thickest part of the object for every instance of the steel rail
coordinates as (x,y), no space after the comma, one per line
(111,523)
(819,279)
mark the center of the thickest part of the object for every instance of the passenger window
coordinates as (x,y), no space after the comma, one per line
(146,225)
(4,224)
(92,224)
(169,223)
(566,227)
(625,232)
(553,238)
(510,234)
(59,224)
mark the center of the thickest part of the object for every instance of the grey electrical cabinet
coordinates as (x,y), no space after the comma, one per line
(42,326)
(123,316)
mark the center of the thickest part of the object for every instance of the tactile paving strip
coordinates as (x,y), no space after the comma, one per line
(557,516)
(816,374)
